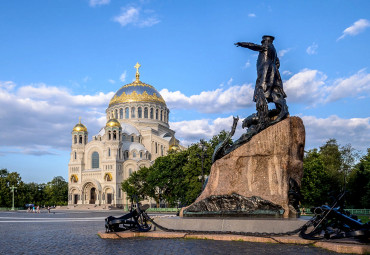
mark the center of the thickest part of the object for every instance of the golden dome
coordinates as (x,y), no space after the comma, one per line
(137,91)
(113,123)
(80,127)
(174,147)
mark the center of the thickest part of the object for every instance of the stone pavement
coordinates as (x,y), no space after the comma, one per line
(68,232)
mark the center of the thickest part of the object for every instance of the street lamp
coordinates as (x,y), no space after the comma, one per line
(13,188)
(202,156)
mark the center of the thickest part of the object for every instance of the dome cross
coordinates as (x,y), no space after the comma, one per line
(137,66)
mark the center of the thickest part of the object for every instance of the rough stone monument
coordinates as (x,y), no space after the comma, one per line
(260,173)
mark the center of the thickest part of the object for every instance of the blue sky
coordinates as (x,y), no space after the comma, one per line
(63,59)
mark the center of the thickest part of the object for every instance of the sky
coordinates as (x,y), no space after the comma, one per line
(65,59)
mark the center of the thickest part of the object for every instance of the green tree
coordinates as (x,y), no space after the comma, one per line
(56,192)
(315,182)
(359,184)
(7,180)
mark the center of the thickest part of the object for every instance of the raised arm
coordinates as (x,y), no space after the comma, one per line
(250,46)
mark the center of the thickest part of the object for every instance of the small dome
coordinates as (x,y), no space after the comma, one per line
(129,146)
(113,123)
(174,147)
(79,127)
(129,129)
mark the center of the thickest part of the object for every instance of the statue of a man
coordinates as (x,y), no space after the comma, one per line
(268,76)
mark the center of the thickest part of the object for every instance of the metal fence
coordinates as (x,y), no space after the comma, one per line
(359,211)
(163,209)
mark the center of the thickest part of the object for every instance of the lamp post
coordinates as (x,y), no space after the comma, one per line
(202,156)
(13,188)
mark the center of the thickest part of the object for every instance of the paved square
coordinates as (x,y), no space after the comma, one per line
(75,232)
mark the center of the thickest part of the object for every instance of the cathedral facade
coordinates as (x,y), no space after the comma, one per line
(135,134)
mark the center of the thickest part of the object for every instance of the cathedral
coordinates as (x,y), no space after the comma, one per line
(136,133)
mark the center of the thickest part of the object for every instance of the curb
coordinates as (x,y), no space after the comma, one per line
(340,247)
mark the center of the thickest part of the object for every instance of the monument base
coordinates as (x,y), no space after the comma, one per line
(233,205)
(257,225)
(269,166)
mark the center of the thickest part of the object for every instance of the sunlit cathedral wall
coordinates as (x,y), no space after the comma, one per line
(136,133)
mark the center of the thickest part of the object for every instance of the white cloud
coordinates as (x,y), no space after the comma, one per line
(123,76)
(305,87)
(191,131)
(86,79)
(357,84)
(287,72)
(111,81)
(357,27)
(281,53)
(310,87)
(98,2)
(40,117)
(312,49)
(355,131)
(7,85)
(230,81)
(135,16)
(219,100)
(251,15)
(318,130)
(247,64)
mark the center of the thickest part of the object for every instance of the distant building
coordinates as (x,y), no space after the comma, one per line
(136,133)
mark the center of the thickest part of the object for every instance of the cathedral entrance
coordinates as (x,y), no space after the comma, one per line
(109,198)
(75,199)
(92,196)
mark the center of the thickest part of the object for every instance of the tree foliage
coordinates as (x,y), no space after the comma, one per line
(327,172)
(175,179)
(54,192)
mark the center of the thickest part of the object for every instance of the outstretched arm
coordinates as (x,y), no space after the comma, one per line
(250,46)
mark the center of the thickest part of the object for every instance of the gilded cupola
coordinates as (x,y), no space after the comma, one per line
(79,127)
(113,123)
(136,91)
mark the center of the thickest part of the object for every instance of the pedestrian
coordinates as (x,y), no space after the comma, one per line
(38,209)
(28,209)
(48,209)
(33,209)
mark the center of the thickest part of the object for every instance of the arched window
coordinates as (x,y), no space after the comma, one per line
(139,112)
(134,154)
(161,150)
(95,160)
(146,112)
(141,154)
(126,154)
(119,153)
(114,135)
(80,140)
(75,138)
(132,139)
(108,152)
(156,114)
(85,139)
(109,135)
(156,148)
(75,155)
(132,112)
(121,113)
(127,113)
(161,115)
(151,113)
(168,115)
(116,114)
(129,171)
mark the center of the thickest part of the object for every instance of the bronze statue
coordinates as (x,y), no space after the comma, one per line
(268,89)
(268,75)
